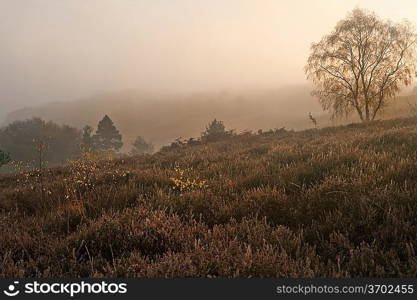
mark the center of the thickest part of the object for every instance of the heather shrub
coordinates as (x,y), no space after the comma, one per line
(331,202)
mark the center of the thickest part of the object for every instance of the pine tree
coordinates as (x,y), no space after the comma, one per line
(107,137)
(214,131)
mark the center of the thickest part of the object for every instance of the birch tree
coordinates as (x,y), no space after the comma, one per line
(362,65)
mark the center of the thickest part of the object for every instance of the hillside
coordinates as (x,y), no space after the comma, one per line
(334,202)
(162,118)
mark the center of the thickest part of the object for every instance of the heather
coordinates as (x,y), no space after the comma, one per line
(331,202)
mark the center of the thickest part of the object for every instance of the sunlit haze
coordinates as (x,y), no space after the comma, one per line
(62,50)
(212,139)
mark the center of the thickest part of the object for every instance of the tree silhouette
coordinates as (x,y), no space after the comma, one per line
(141,146)
(4,158)
(214,131)
(87,141)
(18,138)
(107,137)
(362,64)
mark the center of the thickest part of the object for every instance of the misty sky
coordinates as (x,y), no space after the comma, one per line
(56,50)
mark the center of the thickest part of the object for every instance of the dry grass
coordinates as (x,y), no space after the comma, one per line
(335,202)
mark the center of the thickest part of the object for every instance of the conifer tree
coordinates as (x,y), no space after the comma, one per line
(214,131)
(107,137)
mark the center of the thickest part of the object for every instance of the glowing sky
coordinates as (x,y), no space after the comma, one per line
(63,49)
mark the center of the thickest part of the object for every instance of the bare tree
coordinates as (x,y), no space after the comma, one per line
(41,147)
(362,64)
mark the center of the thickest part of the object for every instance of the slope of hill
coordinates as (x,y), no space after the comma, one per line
(163,118)
(334,202)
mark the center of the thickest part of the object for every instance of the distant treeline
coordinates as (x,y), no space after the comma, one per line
(20,139)
(162,118)
(35,143)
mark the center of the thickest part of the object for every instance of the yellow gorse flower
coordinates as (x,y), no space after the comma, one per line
(183,183)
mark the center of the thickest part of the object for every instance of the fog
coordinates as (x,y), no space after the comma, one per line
(62,50)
